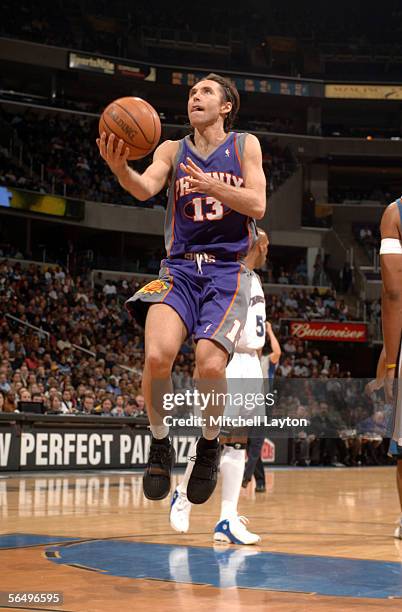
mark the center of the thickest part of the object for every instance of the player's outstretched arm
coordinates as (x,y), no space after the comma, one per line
(249,200)
(391,272)
(141,186)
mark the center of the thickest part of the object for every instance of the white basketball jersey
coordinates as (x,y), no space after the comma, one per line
(253,335)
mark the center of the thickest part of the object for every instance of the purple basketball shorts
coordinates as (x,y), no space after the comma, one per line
(212,299)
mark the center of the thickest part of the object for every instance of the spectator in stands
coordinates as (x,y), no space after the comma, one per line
(24,395)
(285,369)
(300,370)
(88,404)
(67,400)
(105,408)
(290,346)
(140,401)
(5,386)
(118,410)
(283,278)
(131,409)
(109,289)
(10,402)
(113,386)
(38,397)
(55,405)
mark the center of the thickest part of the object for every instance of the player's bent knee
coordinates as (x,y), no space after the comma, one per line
(211,368)
(159,363)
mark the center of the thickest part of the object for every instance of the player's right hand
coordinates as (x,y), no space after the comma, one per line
(373,385)
(115,156)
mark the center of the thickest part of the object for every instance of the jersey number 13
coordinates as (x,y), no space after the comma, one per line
(208,209)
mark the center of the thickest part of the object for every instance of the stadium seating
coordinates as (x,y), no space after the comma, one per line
(61,154)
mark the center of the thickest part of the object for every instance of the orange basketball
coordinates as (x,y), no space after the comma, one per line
(134,121)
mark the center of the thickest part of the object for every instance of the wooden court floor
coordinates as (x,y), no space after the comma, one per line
(327,544)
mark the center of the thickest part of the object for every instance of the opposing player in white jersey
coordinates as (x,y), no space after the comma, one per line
(244,365)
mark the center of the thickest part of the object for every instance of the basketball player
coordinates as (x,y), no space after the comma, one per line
(216,191)
(391,306)
(245,365)
(254,464)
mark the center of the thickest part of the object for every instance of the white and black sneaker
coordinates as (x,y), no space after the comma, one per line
(204,476)
(156,479)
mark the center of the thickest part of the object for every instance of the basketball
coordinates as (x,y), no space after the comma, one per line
(134,121)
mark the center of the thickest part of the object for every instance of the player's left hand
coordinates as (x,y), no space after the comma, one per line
(200,182)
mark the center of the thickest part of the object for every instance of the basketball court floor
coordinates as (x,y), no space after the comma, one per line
(327,544)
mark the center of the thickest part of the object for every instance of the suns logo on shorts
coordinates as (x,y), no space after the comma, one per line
(156,286)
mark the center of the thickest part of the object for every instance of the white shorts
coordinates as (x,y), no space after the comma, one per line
(244,365)
(244,381)
(397,431)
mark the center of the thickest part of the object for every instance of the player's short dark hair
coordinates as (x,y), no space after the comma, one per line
(230,94)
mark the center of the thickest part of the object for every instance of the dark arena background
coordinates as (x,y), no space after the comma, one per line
(320,86)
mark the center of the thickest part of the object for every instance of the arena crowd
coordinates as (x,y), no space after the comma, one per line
(59,155)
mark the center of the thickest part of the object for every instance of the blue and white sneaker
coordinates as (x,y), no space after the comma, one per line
(180,509)
(234,531)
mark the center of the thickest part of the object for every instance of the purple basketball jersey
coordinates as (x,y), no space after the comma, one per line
(200,223)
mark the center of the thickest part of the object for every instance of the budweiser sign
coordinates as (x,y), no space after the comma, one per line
(329,331)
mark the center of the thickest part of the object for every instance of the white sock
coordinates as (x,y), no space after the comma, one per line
(210,433)
(159,431)
(182,486)
(232,470)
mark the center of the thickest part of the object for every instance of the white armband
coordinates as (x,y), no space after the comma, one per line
(391,246)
